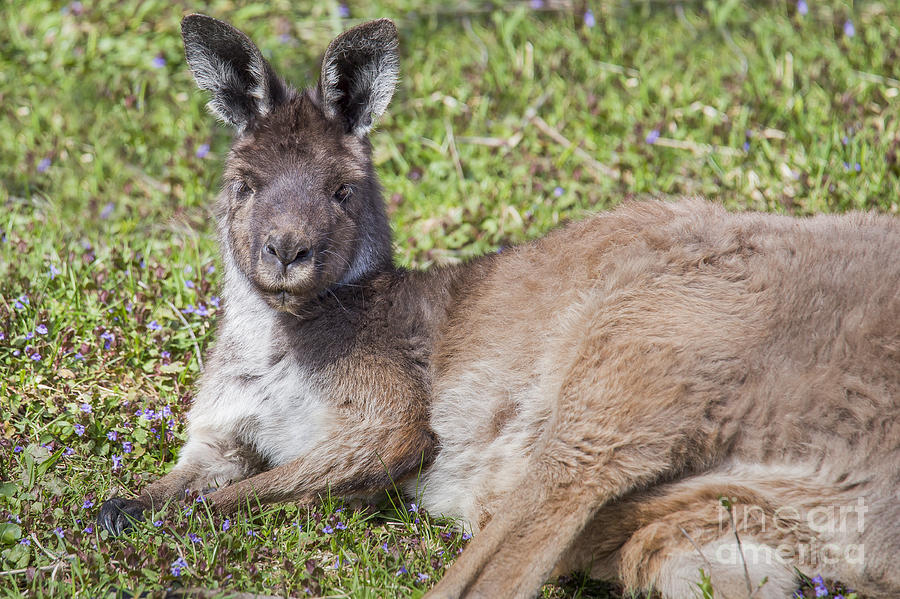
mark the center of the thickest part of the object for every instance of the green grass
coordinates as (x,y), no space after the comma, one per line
(507,121)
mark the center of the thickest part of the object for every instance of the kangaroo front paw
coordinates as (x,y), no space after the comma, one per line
(118,515)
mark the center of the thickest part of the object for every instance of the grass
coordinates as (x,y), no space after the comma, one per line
(509,119)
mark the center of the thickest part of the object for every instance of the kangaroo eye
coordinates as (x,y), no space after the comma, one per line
(343,193)
(244,189)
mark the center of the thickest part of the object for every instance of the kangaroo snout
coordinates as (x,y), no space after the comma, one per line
(287,249)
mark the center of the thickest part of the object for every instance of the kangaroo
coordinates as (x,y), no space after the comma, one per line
(580,402)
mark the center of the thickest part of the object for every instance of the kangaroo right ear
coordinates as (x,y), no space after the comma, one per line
(226,63)
(359,74)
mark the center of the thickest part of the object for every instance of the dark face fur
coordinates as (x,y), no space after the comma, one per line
(301,211)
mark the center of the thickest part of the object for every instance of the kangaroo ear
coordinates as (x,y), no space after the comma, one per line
(359,74)
(226,63)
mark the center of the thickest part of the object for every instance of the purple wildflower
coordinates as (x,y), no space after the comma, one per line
(340,526)
(413,508)
(21,302)
(157,523)
(78,356)
(652,136)
(86,408)
(29,335)
(849,29)
(189,284)
(2,335)
(210,269)
(69,451)
(36,357)
(108,338)
(746,146)
(154,326)
(226,525)
(18,449)
(328,530)
(165,412)
(43,165)
(88,504)
(558,191)
(385,547)
(802,8)
(127,446)
(214,300)
(343,10)
(79,429)
(112,435)
(402,571)
(422,577)
(189,309)
(58,531)
(89,529)
(466,536)
(16,352)
(194,538)
(165,355)
(25,541)
(107,210)
(117,462)
(536,4)
(202,150)
(589,20)
(201,310)
(201,498)
(177,566)
(158,61)
(41,329)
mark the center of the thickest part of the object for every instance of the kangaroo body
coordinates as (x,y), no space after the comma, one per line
(582,402)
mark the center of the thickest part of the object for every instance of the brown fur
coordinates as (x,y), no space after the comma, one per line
(582,401)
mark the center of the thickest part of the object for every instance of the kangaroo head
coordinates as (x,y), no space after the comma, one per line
(301,210)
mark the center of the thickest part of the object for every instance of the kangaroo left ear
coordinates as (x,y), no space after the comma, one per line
(230,66)
(359,74)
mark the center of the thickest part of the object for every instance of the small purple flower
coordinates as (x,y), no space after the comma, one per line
(79,429)
(189,309)
(58,531)
(849,29)
(251,533)
(201,498)
(652,136)
(194,538)
(214,300)
(154,326)
(165,412)
(536,4)
(157,523)
(746,146)
(88,504)
(802,8)
(165,355)
(466,536)
(78,356)
(201,310)
(107,210)
(29,335)
(226,525)
(86,408)
(343,10)
(18,449)
(202,150)
(36,357)
(158,61)
(177,566)
(210,269)
(117,462)
(821,591)
(89,529)
(385,547)
(107,339)
(127,446)
(402,571)
(558,191)
(189,510)
(589,20)
(422,577)
(25,541)
(43,165)
(69,451)
(112,435)
(2,335)
(845,140)
(857,167)
(189,284)
(41,329)
(340,526)
(16,352)
(328,530)
(413,508)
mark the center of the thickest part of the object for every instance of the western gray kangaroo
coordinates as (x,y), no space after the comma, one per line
(581,402)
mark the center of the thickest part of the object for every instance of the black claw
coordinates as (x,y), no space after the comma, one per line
(117,515)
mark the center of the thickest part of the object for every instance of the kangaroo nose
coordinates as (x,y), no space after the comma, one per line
(287,251)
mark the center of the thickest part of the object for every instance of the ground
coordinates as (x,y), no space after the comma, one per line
(510,117)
